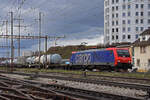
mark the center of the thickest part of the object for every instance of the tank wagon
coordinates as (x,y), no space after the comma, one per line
(110,59)
(51,59)
(30,60)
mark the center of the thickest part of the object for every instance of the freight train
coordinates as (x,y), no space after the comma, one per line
(110,59)
(103,59)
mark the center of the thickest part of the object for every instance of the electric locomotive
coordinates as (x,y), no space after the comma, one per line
(109,58)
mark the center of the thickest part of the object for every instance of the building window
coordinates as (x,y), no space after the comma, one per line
(117,8)
(116,22)
(142,21)
(142,13)
(106,3)
(129,6)
(113,8)
(129,14)
(117,15)
(129,21)
(112,37)
(142,28)
(117,30)
(136,36)
(123,29)
(124,37)
(113,1)
(113,16)
(117,1)
(123,14)
(136,21)
(113,23)
(148,62)
(142,49)
(138,62)
(149,13)
(136,6)
(113,30)
(148,21)
(123,7)
(123,22)
(129,36)
(137,29)
(148,6)
(142,6)
(129,29)
(136,13)
(116,37)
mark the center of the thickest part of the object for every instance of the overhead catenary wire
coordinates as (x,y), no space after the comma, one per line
(59,12)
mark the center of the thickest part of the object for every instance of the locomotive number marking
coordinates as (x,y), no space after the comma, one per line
(83,59)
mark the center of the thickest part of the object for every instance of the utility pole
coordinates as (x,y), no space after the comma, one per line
(46,51)
(12,45)
(7,55)
(19,30)
(40,36)
(6,31)
(7,34)
(6,27)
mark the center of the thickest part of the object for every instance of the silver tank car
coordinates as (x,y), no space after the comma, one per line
(30,60)
(51,59)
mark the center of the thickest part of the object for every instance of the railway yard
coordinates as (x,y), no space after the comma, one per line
(74,50)
(69,86)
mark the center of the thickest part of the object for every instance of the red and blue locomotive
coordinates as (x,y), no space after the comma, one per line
(109,58)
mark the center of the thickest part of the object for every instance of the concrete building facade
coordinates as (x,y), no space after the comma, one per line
(124,20)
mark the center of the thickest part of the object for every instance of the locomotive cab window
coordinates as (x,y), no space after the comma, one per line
(123,53)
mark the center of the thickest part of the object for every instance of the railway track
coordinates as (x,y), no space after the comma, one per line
(12,89)
(93,81)
(29,90)
(104,76)
(140,80)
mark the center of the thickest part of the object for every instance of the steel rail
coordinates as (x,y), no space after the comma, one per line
(37,90)
(78,93)
(93,81)
(89,75)
(26,91)
(106,76)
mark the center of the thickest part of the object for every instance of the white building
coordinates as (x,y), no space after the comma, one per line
(124,20)
(141,52)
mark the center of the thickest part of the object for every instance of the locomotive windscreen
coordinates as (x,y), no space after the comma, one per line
(123,53)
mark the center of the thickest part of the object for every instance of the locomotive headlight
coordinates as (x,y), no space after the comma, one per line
(118,60)
(129,61)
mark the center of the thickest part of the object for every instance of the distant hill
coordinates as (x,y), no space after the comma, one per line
(66,51)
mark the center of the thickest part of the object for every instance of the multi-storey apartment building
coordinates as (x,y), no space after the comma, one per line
(124,20)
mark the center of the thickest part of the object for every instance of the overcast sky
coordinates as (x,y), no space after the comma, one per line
(79,20)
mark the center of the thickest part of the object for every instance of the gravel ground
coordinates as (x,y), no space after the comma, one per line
(88,86)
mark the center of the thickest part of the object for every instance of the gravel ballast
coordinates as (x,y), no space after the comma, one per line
(87,86)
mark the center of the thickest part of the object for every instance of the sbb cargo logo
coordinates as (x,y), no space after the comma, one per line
(83,59)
